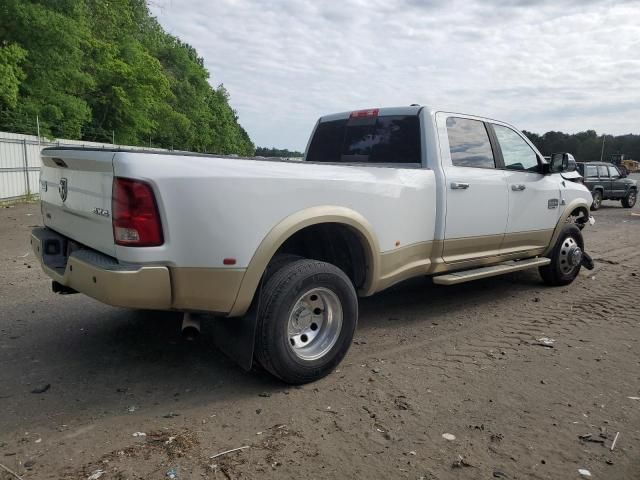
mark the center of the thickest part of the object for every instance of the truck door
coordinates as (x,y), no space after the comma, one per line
(476,194)
(534,198)
(618,187)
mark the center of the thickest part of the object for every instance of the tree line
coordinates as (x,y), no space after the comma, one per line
(103,71)
(277,152)
(587,146)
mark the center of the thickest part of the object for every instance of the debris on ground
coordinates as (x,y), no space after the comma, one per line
(633,398)
(598,438)
(171,415)
(96,475)
(613,444)
(228,451)
(499,474)
(264,394)
(460,462)
(449,436)
(603,438)
(172,473)
(42,388)
(11,472)
(139,434)
(545,342)
(584,473)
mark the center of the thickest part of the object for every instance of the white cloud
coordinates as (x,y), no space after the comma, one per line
(543,65)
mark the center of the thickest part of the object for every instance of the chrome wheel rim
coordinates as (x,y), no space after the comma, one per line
(632,198)
(570,256)
(314,323)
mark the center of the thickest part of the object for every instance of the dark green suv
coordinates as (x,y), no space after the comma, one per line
(606,182)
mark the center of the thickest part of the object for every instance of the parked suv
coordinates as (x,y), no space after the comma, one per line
(606,182)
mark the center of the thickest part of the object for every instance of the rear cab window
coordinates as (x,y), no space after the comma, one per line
(369,138)
(469,143)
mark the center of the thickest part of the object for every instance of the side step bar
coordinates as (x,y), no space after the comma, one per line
(485,272)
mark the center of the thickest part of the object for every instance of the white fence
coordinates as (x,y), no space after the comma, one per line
(20,162)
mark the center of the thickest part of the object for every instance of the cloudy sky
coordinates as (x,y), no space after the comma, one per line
(543,65)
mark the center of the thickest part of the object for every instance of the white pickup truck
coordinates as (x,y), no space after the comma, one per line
(283,249)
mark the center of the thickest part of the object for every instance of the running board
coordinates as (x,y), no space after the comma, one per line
(485,272)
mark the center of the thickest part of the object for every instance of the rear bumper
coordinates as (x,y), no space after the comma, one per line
(100,276)
(154,287)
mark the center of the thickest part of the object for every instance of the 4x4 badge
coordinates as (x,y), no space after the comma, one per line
(63,189)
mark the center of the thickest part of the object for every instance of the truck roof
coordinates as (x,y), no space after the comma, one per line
(404,110)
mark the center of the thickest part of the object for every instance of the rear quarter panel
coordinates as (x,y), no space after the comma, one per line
(214,208)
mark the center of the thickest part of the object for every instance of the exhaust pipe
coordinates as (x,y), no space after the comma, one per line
(190,327)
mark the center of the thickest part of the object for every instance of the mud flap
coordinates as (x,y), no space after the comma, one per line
(235,337)
(587,261)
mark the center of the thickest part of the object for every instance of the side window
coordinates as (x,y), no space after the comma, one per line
(517,153)
(614,172)
(602,171)
(591,171)
(469,143)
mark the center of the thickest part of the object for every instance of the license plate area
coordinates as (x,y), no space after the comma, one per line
(56,250)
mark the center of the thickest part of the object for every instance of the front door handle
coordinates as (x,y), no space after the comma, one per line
(518,187)
(459,186)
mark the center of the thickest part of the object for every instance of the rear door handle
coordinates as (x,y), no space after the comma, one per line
(518,187)
(459,186)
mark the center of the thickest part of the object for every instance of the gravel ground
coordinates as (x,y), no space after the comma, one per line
(427,360)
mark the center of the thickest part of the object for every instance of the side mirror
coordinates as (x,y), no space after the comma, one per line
(562,162)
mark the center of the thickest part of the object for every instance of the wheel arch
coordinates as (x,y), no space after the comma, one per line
(578,205)
(295,223)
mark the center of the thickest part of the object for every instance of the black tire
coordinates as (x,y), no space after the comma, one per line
(277,262)
(284,290)
(630,200)
(556,274)
(597,200)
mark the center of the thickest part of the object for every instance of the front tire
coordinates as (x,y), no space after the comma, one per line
(308,312)
(566,258)
(630,200)
(597,200)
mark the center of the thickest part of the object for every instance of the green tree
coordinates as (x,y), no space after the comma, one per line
(11,75)
(89,68)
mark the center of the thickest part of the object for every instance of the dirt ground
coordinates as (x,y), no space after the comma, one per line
(427,360)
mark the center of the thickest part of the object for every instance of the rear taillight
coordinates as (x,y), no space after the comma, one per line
(136,221)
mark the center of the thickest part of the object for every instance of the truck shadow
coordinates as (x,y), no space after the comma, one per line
(106,359)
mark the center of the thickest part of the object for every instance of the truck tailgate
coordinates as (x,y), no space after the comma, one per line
(75,191)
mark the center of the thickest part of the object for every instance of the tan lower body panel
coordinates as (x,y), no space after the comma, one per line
(206,289)
(470,248)
(402,263)
(519,241)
